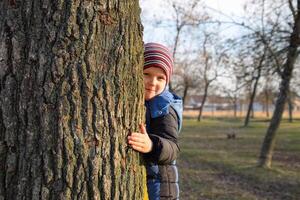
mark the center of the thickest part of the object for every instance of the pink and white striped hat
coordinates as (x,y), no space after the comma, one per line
(157,55)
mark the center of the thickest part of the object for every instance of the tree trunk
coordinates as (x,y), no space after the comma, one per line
(250,105)
(253,94)
(252,112)
(70,92)
(235,106)
(203,102)
(186,87)
(290,107)
(241,107)
(267,103)
(265,158)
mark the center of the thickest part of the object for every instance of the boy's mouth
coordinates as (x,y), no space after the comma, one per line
(150,90)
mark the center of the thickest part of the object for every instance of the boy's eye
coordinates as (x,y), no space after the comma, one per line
(161,78)
(146,74)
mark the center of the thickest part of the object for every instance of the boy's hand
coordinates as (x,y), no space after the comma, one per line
(140,141)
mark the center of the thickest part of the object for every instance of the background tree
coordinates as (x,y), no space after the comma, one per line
(257,47)
(263,42)
(290,105)
(277,30)
(182,17)
(185,78)
(70,92)
(210,60)
(268,145)
(257,73)
(294,90)
(267,95)
(234,88)
(186,15)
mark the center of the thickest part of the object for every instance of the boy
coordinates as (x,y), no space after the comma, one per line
(158,140)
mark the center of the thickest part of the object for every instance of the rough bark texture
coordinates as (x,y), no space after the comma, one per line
(265,158)
(70,92)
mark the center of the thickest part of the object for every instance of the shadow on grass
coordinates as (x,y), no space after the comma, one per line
(263,183)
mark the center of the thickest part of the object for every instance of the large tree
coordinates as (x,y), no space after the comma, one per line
(70,92)
(267,149)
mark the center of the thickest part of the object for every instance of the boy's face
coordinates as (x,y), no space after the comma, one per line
(155,81)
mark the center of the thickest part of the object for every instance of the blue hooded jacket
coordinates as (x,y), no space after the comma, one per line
(158,107)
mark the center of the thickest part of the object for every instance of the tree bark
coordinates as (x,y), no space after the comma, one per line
(266,153)
(70,92)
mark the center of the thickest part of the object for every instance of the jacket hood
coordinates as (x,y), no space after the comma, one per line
(159,105)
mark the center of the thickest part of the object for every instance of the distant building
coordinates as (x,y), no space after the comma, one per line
(212,103)
(215,103)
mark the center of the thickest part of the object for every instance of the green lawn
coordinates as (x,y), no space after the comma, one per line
(214,167)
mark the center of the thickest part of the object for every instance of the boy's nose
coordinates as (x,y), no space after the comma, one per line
(152,81)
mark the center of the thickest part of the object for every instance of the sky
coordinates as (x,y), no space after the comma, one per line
(152,10)
(227,6)
(155,9)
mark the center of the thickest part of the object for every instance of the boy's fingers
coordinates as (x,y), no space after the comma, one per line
(143,128)
(136,145)
(136,135)
(137,148)
(136,139)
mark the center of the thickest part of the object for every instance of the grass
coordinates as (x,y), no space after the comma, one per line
(214,167)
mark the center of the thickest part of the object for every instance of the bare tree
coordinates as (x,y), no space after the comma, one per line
(234,91)
(68,99)
(256,77)
(232,95)
(186,14)
(267,94)
(278,32)
(211,59)
(186,78)
(268,145)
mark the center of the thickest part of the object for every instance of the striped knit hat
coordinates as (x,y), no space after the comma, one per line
(157,55)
